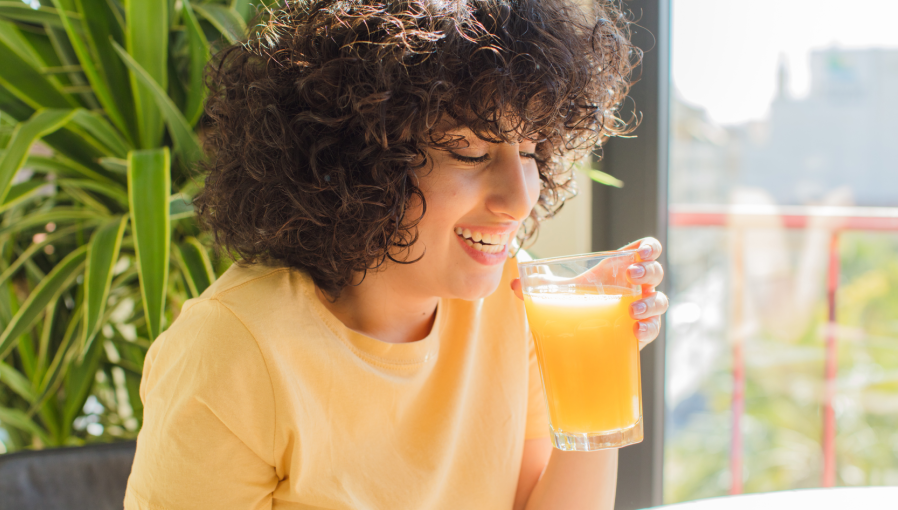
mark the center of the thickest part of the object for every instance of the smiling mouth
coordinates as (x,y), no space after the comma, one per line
(486,243)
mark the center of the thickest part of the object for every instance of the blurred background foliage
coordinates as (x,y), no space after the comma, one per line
(100,106)
(784,393)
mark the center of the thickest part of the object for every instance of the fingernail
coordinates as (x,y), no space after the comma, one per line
(643,327)
(639,309)
(637,271)
(645,251)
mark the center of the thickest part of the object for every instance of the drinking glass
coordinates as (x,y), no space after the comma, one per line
(578,311)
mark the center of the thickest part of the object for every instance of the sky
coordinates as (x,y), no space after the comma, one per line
(725,53)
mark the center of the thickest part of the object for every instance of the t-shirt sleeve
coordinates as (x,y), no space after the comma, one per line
(537,416)
(209,418)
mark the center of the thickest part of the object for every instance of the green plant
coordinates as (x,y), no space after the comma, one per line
(782,424)
(99,105)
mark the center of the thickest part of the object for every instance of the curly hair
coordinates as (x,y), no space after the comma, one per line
(320,118)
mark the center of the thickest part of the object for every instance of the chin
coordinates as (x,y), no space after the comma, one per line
(475,288)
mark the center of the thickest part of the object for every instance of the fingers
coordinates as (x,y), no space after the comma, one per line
(648,248)
(516,287)
(645,273)
(647,312)
(646,331)
(650,306)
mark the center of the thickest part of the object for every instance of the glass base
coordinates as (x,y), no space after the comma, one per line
(591,441)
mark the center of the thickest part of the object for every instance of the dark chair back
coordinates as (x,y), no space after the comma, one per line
(87,478)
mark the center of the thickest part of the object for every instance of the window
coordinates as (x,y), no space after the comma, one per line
(782,338)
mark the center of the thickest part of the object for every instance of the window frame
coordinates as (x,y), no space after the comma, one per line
(640,209)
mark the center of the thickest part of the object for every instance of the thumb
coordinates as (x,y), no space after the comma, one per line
(516,287)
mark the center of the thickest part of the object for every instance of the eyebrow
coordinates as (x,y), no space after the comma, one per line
(449,125)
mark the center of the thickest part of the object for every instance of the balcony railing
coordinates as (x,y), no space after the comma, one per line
(738,218)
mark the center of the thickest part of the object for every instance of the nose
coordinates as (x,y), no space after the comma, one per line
(514,184)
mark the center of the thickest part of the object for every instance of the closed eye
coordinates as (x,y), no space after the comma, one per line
(480,159)
(468,159)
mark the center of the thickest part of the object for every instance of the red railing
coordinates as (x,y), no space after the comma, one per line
(835,219)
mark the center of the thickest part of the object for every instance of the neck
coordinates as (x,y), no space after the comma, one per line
(381,309)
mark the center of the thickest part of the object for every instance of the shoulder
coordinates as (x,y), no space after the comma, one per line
(207,357)
(245,297)
(214,326)
(247,309)
(246,285)
(207,338)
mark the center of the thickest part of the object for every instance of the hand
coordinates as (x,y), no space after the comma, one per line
(646,273)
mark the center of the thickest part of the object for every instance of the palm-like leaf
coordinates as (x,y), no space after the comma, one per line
(195,266)
(102,253)
(58,280)
(186,143)
(20,12)
(224,18)
(42,123)
(93,219)
(149,186)
(147,42)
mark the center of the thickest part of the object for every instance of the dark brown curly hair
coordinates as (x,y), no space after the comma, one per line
(320,119)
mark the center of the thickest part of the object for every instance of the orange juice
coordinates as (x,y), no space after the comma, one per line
(588,357)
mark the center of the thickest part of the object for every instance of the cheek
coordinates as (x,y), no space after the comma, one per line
(444,200)
(534,185)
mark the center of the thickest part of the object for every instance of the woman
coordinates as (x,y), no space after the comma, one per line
(373,166)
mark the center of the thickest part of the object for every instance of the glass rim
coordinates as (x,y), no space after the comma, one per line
(581,256)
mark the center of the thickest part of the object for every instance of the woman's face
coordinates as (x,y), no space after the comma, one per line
(477,196)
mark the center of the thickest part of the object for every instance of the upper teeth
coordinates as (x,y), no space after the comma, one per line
(490,243)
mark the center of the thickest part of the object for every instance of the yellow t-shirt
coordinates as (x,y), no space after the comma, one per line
(258,397)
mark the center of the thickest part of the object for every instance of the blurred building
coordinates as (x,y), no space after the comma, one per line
(844,134)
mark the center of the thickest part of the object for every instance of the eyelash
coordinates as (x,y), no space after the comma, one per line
(481,159)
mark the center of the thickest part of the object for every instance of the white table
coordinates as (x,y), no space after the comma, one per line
(840,498)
